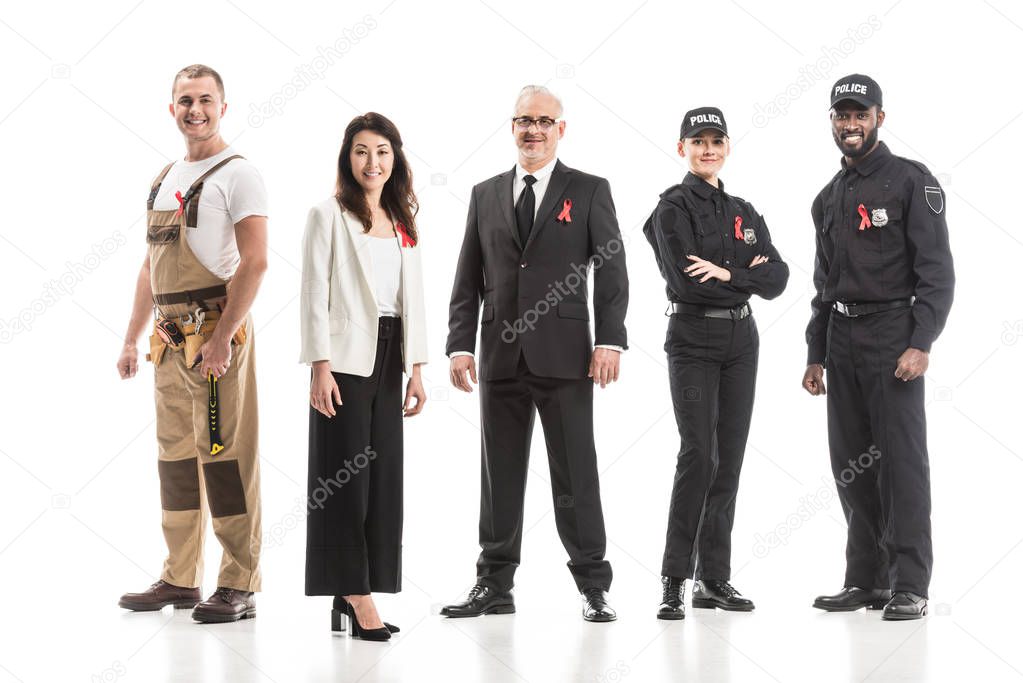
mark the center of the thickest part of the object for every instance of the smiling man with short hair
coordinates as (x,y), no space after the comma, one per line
(885,282)
(532,236)
(206,238)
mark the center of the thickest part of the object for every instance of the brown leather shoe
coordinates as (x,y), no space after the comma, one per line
(158,596)
(226,604)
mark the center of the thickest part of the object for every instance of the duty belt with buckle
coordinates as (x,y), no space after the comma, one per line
(853,310)
(737,313)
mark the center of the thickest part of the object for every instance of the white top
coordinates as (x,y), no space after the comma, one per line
(385,253)
(543,177)
(234,192)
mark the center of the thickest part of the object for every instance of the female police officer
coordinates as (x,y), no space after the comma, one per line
(714,251)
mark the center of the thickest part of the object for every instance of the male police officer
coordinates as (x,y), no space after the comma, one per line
(884,283)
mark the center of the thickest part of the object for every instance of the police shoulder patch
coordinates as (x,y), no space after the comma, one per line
(935,198)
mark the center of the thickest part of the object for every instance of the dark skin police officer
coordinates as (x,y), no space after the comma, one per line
(714,251)
(884,282)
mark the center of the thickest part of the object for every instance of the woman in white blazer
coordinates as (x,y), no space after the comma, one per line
(363,324)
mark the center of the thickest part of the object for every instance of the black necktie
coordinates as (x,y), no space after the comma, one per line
(525,207)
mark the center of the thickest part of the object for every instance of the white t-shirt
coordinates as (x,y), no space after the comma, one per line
(386,255)
(234,192)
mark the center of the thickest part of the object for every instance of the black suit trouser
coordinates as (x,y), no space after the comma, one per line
(508,408)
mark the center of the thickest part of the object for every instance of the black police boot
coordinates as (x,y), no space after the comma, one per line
(851,598)
(711,593)
(905,605)
(595,607)
(672,606)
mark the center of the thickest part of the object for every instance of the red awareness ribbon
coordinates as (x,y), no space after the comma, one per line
(738,227)
(864,218)
(566,212)
(406,241)
(181,202)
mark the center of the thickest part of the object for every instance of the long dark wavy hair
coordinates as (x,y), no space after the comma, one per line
(398,198)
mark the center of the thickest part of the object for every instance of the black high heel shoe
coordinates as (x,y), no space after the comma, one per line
(342,614)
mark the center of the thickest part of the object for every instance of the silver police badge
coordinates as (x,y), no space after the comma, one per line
(749,235)
(879,218)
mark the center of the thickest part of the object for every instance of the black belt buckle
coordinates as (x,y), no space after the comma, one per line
(846,309)
(741,312)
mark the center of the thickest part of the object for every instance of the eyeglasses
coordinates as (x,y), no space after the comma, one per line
(525,122)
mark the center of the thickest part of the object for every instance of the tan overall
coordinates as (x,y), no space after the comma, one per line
(190,477)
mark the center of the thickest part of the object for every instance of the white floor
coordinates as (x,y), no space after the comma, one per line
(68,632)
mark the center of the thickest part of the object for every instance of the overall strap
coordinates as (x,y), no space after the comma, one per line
(156,186)
(196,186)
(191,211)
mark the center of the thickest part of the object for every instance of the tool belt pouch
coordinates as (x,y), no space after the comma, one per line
(193,342)
(156,350)
(239,336)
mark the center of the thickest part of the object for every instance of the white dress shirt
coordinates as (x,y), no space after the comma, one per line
(543,178)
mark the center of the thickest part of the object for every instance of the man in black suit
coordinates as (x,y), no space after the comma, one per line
(532,236)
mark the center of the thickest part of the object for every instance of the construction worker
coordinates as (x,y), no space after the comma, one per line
(206,256)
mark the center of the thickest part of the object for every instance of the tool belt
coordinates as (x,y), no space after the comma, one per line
(193,334)
(738,313)
(196,296)
(856,310)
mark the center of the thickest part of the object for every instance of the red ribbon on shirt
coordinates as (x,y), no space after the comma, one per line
(738,227)
(406,241)
(566,211)
(864,218)
(181,202)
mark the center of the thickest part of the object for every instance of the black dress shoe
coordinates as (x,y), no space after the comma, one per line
(711,593)
(905,605)
(851,598)
(482,600)
(339,623)
(672,606)
(595,607)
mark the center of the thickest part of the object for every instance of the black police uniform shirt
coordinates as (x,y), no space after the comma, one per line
(881,236)
(694,217)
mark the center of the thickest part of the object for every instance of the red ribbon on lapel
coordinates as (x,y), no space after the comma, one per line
(181,202)
(406,241)
(566,212)
(864,218)
(738,227)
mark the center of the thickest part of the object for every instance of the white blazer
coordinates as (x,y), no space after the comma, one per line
(339,309)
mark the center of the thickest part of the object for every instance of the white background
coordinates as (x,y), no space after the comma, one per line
(84,127)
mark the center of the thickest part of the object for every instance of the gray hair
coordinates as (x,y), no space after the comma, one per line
(530,91)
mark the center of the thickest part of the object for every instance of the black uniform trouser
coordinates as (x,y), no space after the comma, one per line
(508,408)
(712,371)
(877,432)
(353,540)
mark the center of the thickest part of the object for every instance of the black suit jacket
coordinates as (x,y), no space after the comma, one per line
(535,295)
